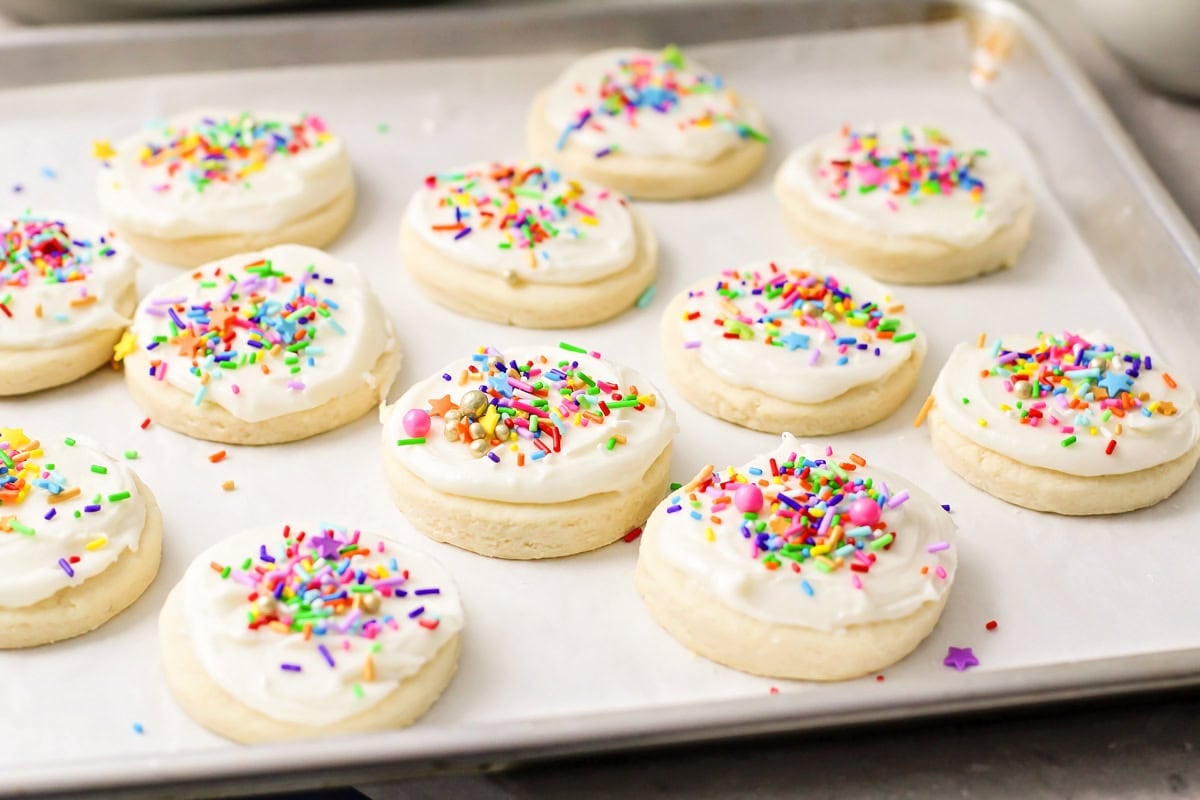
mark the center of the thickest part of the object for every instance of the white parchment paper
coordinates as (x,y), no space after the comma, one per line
(570,637)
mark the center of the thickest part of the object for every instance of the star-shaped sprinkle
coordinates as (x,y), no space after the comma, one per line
(188,343)
(794,341)
(103,150)
(220,317)
(327,546)
(124,347)
(1115,382)
(439,406)
(960,658)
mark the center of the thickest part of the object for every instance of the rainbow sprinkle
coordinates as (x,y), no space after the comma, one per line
(1076,389)
(324,588)
(651,84)
(227,150)
(40,250)
(531,204)
(796,309)
(925,164)
(804,515)
(244,329)
(523,411)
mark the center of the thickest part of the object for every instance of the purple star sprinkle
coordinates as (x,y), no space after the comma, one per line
(328,546)
(960,658)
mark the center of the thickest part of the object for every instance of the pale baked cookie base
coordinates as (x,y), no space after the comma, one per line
(1042,489)
(173,408)
(526,530)
(484,295)
(707,627)
(24,371)
(641,177)
(76,610)
(316,229)
(858,408)
(208,704)
(902,259)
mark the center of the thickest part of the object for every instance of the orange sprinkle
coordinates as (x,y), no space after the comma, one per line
(700,478)
(520,459)
(216,567)
(307,631)
(857,459)
(982,340)
(61,496)
(924,412)
(1169,380)
(37,311)
(86,300)
(228,486)
(217,456)
(369,669)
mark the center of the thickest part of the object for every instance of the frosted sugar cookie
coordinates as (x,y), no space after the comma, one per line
(261,348)
(654,125)
(528,452)
(292,632)
(1073,423)
(80,538)
(907,204)
(211,183)
(66,293)
(523,245)
(800,346)
(800,564)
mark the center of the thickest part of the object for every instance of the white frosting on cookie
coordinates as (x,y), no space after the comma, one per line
(574,449)
(61,276)
(648,103)
(800,330)
(40,557)
(792,573)
(362,644)
(211,171)
(906,180)
(979,394)
(524,220)
(302,327)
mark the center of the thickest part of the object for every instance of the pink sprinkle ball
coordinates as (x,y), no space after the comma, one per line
(748,497)
(416,422)
(864,511)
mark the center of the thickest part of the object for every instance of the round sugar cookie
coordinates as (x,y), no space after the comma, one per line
(290,632)
(652,124)
(906,203)
(261,348)
(1073,423)
(67,290)
(210,183)
(528,452)
(797,346)
(80,538)
(521,244)
(774,575)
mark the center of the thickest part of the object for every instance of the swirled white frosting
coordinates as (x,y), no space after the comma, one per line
(589,458)
(800,330)
(907,180)
(61,277)
(647,103)
(354,656)
(524,220)
(977,396)
(301,326)
(209,172)
(40,557)
(877,578)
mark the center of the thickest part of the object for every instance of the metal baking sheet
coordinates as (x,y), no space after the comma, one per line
(559,657)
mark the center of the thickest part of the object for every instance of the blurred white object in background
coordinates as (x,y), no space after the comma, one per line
(54,11)
(1158,39)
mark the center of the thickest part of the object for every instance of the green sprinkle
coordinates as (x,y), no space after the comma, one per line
(675,486)
(406,442)
(99,470)
(646,297)
(572,348)
(1067,442)
(69,441)
(225,572)
(22,528)
(881,542)
(131,455)
(358,692)
(612,442)
(118,497)
(904,337)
